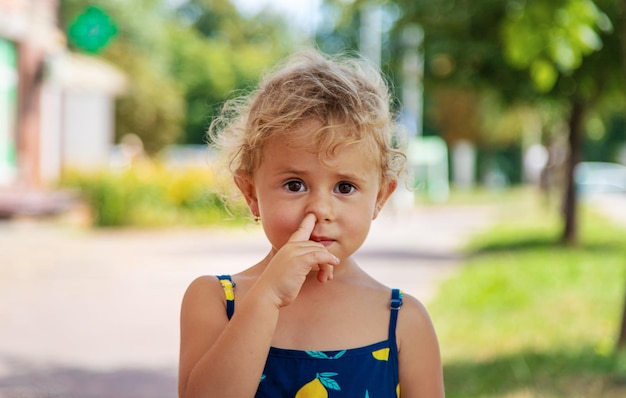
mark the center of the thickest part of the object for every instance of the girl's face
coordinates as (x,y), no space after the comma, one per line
(344,192)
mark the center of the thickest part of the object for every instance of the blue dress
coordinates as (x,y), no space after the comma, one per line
(370,371)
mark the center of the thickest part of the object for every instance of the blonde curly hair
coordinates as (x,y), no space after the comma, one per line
(346,95)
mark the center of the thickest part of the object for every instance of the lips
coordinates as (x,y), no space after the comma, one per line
(323,240)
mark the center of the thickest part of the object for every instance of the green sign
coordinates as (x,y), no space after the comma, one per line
(92,30)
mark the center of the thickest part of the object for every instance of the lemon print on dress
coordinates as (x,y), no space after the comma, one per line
(317,388)
(382,354)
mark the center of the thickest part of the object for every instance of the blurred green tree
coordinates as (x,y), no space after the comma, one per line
(182,61)
(530,57)
(215,51)
(153,108)
(573,52)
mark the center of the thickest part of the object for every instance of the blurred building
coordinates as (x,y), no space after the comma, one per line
(56,108)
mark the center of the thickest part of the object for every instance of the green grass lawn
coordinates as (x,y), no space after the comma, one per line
(526,317)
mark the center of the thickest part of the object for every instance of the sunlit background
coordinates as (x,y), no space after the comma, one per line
(510,226)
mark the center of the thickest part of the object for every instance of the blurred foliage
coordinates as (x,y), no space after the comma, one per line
(153,108)
(185,58)
(528,55)
(546,38)
(215,51)
(605,139)
(150,195)
(510,55)
(182,62)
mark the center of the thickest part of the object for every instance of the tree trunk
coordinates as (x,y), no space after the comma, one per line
(570,202)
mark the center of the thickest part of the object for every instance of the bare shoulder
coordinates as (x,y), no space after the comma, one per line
(413,317)
(201,290)
(202,305)
(202,282)
(418,351)
(202,317)
(415,330)
(206,294)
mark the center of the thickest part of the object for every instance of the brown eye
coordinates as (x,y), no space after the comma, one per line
(294,186)
(345,188)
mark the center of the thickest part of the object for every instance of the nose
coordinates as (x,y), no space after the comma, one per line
(321,204)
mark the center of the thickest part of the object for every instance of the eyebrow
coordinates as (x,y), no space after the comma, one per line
(290,171)
(351,177)
(340,176)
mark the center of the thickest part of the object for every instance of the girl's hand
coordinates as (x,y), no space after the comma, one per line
(290,266)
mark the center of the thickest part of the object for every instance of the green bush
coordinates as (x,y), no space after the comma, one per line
(152,196)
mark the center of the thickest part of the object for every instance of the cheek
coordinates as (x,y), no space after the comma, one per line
(363,224)
(279,224)
(359,217)
(370,210)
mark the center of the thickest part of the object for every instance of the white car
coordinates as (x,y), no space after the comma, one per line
(600,177)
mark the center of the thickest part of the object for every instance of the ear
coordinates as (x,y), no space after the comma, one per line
(246,186)
(388,186)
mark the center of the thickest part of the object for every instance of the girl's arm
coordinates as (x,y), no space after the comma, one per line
(420,366)
(221,358)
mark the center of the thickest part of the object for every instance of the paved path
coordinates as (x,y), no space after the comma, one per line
(94,314)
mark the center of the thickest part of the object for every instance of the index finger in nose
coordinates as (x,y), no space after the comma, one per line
(303,233)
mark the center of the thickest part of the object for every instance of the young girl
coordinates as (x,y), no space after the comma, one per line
(311,153)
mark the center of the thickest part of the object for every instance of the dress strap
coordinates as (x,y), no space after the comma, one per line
(229,293)
(396,303)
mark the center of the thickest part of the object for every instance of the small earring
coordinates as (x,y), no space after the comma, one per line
(257,219)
